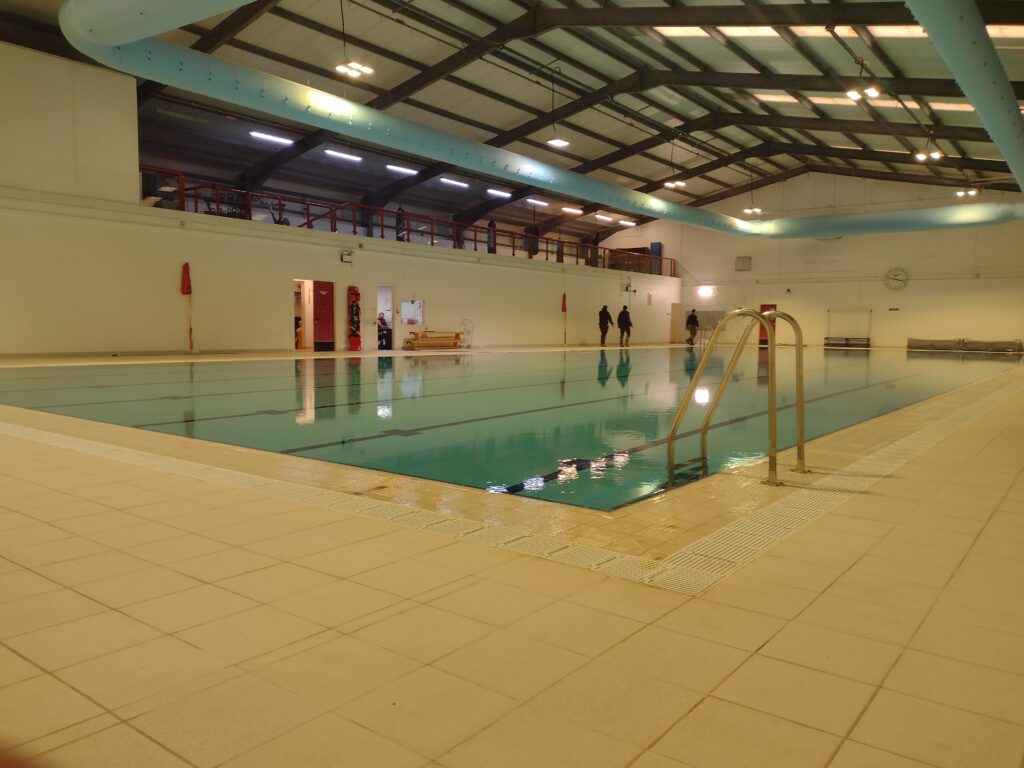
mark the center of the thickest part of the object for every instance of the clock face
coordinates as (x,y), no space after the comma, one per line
(896,278)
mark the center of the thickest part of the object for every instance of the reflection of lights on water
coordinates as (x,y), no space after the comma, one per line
(620,459)
(383,411)
(702,396)
(533,483)
(739,460)
(567,472)
(497,489)
(597,468)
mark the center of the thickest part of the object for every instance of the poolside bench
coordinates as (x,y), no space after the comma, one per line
(849,342)
(434,340)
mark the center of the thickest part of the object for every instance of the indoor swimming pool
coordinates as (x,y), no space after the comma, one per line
(580,427)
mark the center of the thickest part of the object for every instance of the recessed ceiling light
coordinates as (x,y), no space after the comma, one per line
(499,193)
(599,217)
(575,211)
(625,223)
(401,169)
(533,201)
(271,138)
(454,183)
(343,156)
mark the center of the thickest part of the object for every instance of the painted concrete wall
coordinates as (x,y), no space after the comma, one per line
(105,277)
(964,283)
(67,127)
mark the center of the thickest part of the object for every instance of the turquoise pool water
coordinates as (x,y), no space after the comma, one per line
(583,427)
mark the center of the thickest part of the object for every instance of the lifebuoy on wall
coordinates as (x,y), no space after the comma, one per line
(354,342)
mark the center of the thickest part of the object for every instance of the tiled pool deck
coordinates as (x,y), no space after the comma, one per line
(167,602)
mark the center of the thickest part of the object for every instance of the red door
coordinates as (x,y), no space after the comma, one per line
(323,316)
(762,338)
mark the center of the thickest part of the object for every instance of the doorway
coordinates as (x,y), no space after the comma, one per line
(302,310)
(386,307)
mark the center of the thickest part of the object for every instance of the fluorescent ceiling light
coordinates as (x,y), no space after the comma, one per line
(362,68)
(271,138)
(995,31)
(532,201)
(343,156)
(400,169)
(599,217)
(871,92)
(345,69)
(706,291)
(575,211)
(454,183)
(625,223)
(558,143)
(942,106)
(499,193)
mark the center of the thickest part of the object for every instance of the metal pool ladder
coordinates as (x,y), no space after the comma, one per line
(764,319)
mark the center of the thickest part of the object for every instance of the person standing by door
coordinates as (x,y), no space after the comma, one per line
(692,324)
(604,322)
(625,326)
(401,227)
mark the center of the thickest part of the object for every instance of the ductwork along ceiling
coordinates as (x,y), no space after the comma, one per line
(701,118)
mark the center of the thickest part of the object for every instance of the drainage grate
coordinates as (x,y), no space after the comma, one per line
(457,527)
(696,562)
(495,535)
(629,567)
(583,557)
(537,545)
(683,580)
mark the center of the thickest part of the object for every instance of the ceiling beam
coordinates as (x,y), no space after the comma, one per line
(220,35)
(958,163)
(819,15)
(910,178)
(722,119)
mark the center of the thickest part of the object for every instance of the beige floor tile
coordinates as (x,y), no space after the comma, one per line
(35,555)
(335,672)
(175,549)
(13,668)
(892,590)
(719,734)
(31,750)
(806,696)
(854,617)
(854,755)
(45,610)
(753,595)
(684,661)
(75,641)
(168,510)
(654,760)
(249,633)
(722,624)
(464,557)
(20,583)
(329,741)
(935,536)
(940,735)
(348,560)
(219,723)
(428,711)
(511,664)
(357,529)
(92,568)
(144,532)
(275,582)
(27,535)
(631,707)
(407,578)
(976,645)
(117,747)
(540,739)
(576,627)
(840,654)
(791,573)
(835,520)
(899,571)
(128,497)
(140,671)
(409,542)
(101,521)
(424,632)
(293,545)
(958,684)
(628,599)
(543,576)
(38,706)
(493,602)
(135,587)
(247,531)
(189,608)
(224,564)
(336,602)
(64,510)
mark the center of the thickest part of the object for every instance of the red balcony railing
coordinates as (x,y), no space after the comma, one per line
(369,221)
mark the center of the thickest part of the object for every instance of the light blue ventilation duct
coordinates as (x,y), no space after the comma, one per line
(119,34)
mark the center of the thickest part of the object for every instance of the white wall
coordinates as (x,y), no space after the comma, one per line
(67,127)
(963,283)
(109,281)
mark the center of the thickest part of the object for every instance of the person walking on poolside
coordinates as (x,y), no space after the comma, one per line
(604,322)
(625,325)
(692,324)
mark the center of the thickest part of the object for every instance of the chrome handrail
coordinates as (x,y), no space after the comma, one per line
(713,406)
(695,380)
(798,339)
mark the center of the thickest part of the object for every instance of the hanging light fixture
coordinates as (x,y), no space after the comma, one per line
(865,88)
(555,141)
(967,192)
(931,151)
(672,164)
(353,69)
(752,210)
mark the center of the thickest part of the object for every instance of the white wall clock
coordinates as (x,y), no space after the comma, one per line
(896,278)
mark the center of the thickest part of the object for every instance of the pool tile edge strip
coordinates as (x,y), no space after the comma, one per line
(691,570)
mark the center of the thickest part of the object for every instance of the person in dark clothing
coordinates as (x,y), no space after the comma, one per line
(692,324)
(604,322)
(604,371)
(492,237)
(623,368)
(625,326)
(401,228)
